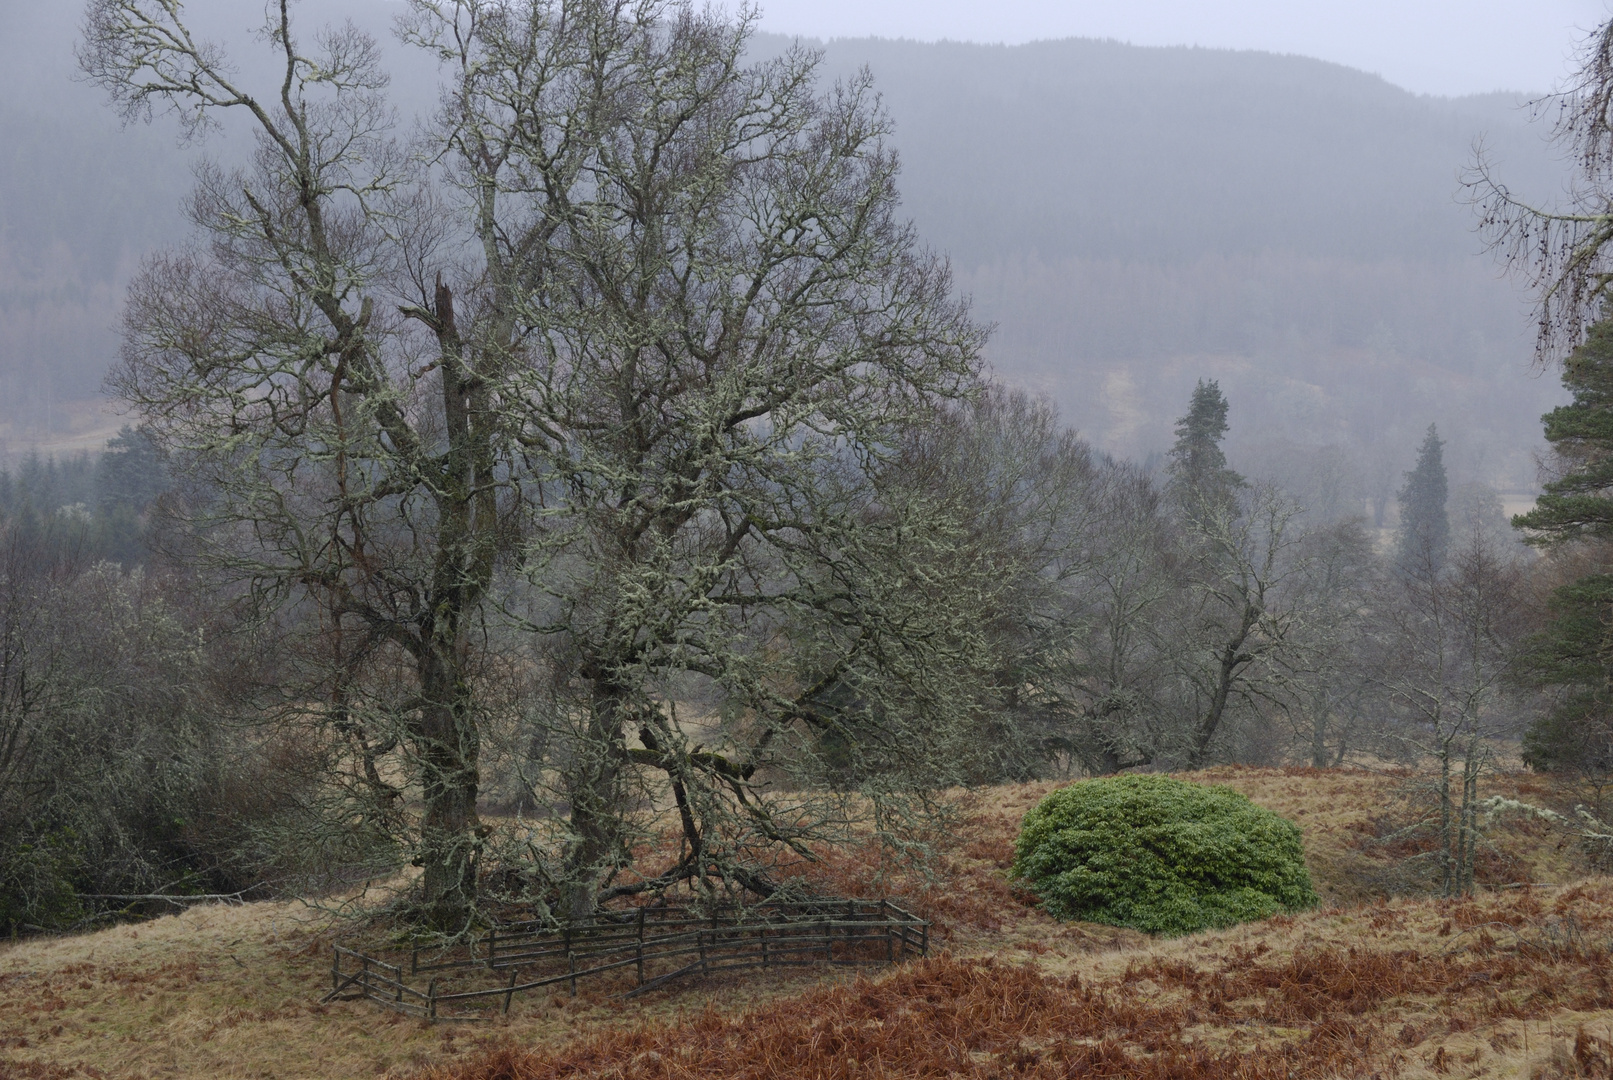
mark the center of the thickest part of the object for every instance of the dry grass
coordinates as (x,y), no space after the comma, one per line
(1514,983)
(1398,990)
(231,992)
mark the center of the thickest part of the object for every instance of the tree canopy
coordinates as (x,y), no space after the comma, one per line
(604,370)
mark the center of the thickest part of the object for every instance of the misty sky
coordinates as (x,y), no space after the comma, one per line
(1429,46)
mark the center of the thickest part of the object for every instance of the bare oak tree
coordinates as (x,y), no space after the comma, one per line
(345,473)
(726,332)
(636,314)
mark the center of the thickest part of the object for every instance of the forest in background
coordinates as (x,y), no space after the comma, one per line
(1128,219)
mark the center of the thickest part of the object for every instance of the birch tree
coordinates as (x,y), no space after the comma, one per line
(1453,641)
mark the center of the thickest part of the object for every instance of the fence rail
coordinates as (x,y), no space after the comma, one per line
(659,944)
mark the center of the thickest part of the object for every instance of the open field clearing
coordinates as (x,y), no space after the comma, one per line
(1515,982)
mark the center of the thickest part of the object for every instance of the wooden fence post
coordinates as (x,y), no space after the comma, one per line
(431,999)
(571,960)
(641,946)
(492,945)
(335,968)
(510,993)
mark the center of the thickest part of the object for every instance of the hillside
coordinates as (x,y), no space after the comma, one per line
(1499,985)
(1131,219)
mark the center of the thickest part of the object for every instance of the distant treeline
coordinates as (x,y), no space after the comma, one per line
(96,504)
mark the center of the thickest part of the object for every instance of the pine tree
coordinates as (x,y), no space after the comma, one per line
(1425,530)
(1571,658)
(1199,475)
(1573,655)
(1579,504)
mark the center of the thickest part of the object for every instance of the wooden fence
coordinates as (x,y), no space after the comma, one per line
(645,947)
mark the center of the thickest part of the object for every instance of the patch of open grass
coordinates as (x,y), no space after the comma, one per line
(232,992)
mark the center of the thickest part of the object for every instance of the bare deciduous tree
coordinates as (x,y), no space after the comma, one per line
(343,471)
(654,295)
(729,331)
(1243,560)
(1565,252)
(1453,637)
(1335,689)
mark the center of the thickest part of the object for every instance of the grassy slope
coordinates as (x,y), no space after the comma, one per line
(1495,986)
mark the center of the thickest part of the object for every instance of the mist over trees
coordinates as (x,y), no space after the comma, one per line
(583,484)
(1133,220)
(1314,258)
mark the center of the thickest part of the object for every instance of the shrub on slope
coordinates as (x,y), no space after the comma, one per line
(1160,855)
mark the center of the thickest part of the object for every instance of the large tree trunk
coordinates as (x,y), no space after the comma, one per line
(593,781)
(449,747)
(450,742)
(1320,714)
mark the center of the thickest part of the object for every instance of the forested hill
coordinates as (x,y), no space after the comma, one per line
(1108,150)
(1131,219)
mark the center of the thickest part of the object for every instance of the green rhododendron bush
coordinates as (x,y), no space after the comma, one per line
(1160,855)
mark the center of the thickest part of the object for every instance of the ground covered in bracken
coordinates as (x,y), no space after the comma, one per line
(1381,981)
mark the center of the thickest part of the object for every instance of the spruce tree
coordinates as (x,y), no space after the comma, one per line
(1198,470)
(1425,530)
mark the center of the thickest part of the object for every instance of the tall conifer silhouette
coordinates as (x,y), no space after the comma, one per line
(1200,478)
(1425,529)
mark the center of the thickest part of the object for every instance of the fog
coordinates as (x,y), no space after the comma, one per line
(1428,46)
(1131,219)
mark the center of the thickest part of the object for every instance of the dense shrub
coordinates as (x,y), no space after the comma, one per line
(120,772)
(1160,855)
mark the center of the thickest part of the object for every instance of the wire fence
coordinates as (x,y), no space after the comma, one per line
(642,949)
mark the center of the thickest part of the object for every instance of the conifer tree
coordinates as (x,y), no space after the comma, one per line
(1578,505)
(1425,530)
(1571,657)
(1198,470)
(1570,660)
